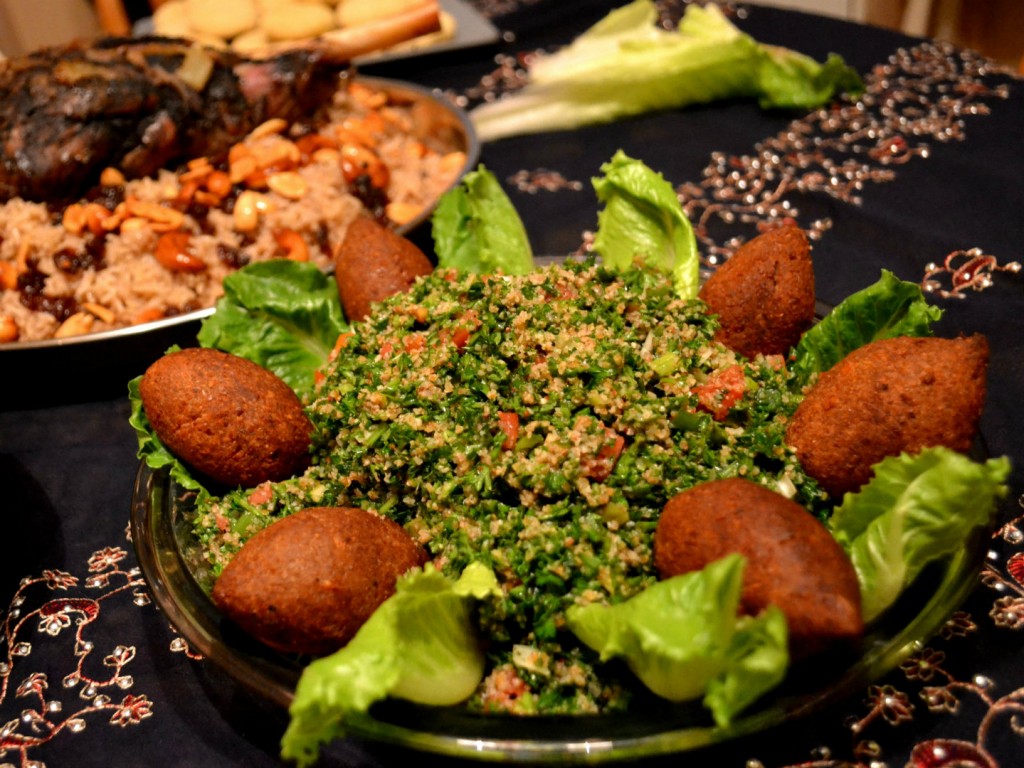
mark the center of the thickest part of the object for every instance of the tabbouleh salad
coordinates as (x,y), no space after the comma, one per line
(537,424)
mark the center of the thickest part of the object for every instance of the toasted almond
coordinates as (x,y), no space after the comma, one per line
(206,198)
(135,224)
(453,162)
(280,155)
(294,245)
(247,211)
(197,173)
(326,156)
(403,213)
(98,311)
(116,217)
(8,329)
(242,167)
(288,184)
(159,214)
(112,177)
(21,257)
(76,325)
(73,219)
(96,216)
(174,252)
(268,128)
(8,275)
(149,315)
(219,183)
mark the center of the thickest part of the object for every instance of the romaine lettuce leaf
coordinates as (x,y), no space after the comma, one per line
(758,659)
(477,229)
(891,307)
(914,510)
(283,315)
(626,64)
(151,449)
(642,219)
(683,639)
(420,645)
(788,79)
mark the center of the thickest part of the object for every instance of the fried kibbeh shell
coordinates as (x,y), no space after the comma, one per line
(226,417)
(888,397)
(764,294)
(372,263)
(793,562)
(308,582)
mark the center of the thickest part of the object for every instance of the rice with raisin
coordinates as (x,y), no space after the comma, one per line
(284,192)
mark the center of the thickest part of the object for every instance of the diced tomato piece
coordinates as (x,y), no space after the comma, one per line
(386,349)
(508,423)
(261,494)
(414,342)
(601,465)
(503,689)
(722,391)
(340,343)
(563,291)
(460,336)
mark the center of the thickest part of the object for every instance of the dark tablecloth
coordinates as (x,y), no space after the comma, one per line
(913,178)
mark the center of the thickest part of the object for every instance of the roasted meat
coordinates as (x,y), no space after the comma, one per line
(68,112)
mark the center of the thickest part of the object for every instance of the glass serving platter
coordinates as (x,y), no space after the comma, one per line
(168,555)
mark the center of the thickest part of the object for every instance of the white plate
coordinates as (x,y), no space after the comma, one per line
(472,29)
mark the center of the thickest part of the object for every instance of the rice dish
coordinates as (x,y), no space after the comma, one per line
(147,249)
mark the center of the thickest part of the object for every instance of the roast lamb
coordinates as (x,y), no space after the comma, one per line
(141,104)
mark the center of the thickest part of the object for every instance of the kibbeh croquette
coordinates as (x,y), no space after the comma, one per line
(226,417)
(764,294)
(372,263)
(306,583)
(889,397)
(793,561)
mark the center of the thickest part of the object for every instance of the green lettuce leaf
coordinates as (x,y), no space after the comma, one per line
(476,228)
(683,639)
(420,645)
(788,79)
(283,315)
(758,658)
(891,307)
(914,510)
(643,219)
(151,450)
(627,64)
